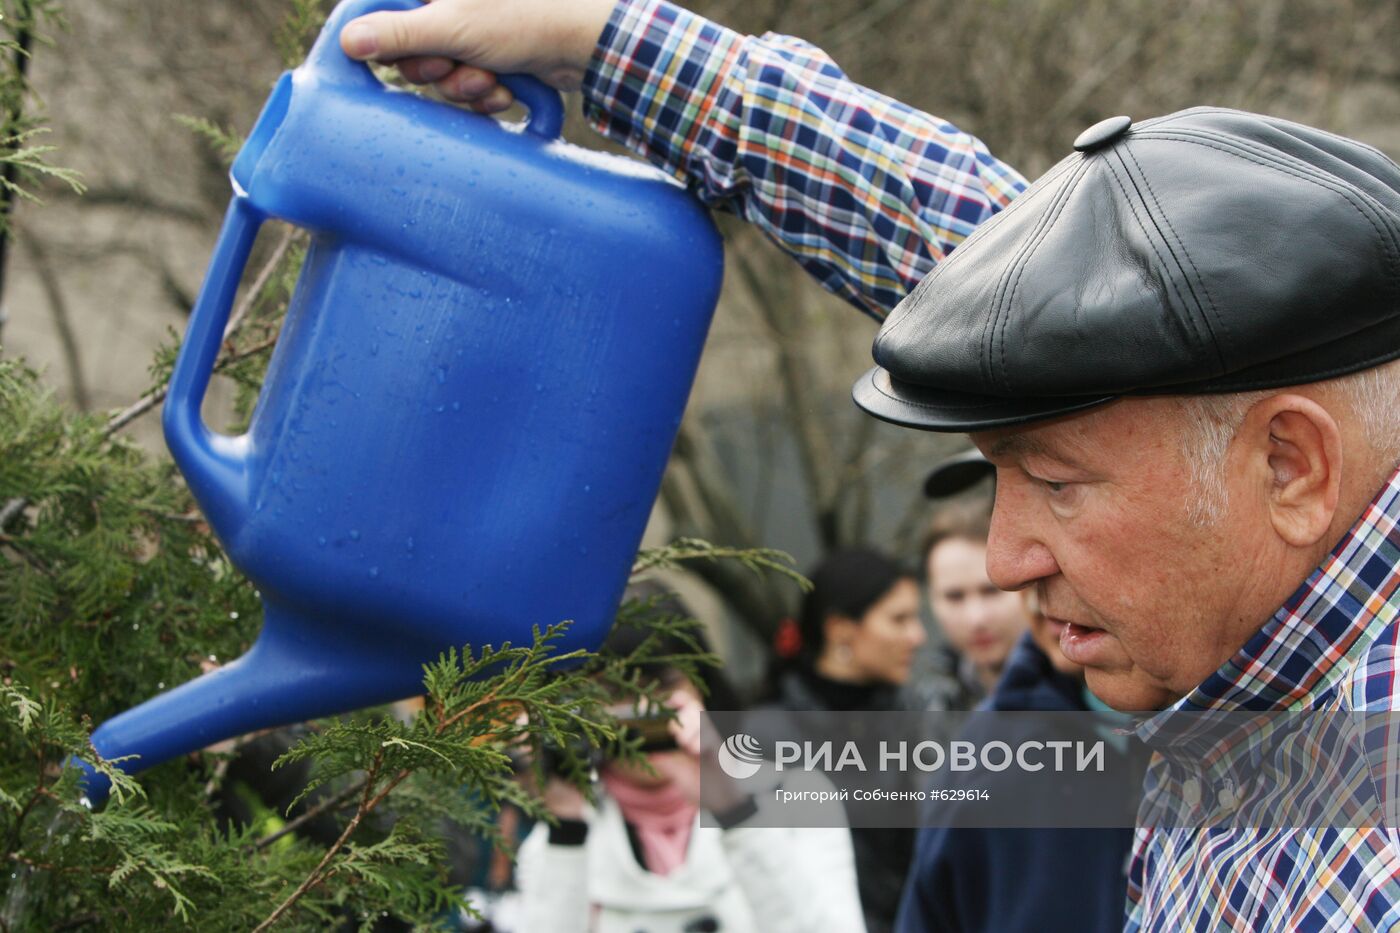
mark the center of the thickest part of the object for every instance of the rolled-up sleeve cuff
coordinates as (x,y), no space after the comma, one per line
(654,78)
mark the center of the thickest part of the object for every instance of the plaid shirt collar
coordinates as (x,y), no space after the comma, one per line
(1297,659)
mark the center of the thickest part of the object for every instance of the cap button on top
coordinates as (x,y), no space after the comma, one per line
(1102,133)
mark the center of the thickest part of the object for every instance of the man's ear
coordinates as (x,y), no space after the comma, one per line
(1300,444)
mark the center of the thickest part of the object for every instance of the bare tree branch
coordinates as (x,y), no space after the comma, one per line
(773,296)
(153,398)
(62,318)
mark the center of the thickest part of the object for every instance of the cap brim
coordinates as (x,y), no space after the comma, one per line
(914,406)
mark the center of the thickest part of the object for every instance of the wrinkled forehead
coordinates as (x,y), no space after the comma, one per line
(1119,430)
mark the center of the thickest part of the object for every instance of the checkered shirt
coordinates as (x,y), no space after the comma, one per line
(867,193)
(1333,646)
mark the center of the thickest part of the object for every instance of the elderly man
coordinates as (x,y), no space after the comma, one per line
(1177,349)
(1174,348)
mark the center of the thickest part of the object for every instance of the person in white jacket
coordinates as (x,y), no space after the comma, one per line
(641,861)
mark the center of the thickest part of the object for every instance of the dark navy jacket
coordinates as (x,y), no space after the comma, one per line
(1010,880)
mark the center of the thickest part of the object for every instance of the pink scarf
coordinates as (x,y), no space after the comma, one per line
(662,817)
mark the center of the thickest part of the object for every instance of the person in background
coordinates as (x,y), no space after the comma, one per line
(640,860)
(979,621)
(860,629)
(967,880)
(859,633)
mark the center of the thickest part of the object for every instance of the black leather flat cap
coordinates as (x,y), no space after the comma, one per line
(1205,251)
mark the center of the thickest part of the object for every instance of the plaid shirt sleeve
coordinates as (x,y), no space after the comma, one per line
(866,193)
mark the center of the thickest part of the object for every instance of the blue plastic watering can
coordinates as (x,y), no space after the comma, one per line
(470,406)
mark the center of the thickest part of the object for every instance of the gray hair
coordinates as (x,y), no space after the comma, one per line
(1372,395)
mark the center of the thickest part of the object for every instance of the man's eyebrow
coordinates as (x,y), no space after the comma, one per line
(1016,446)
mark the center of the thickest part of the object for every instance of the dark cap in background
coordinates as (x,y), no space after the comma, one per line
(957,474)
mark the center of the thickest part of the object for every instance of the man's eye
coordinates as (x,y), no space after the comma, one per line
(1051,485)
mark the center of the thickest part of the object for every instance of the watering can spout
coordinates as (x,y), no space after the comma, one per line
(286,677)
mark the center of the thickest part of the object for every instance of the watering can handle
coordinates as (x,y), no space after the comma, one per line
(213,463)
(328,60)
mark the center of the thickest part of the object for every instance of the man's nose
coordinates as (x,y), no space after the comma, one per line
(1016,555)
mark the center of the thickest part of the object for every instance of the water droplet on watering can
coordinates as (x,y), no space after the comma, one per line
(354,534)
(441,374)
(373,572)
(456,406)
(321,541)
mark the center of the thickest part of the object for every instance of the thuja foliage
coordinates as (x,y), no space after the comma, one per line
(23,25)
(112,588)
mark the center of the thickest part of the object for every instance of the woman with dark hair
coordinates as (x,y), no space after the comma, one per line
(860,631)
(640,860)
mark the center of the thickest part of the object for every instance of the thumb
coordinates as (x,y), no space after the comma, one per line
(390,36)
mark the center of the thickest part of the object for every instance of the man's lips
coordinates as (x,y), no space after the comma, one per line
(1084,645)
